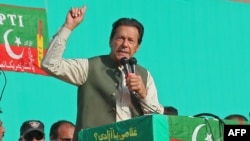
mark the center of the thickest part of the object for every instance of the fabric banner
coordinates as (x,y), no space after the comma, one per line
(183,128)
(23,38)
(159,128)
(145,128)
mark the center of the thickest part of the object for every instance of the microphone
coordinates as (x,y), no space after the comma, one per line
(125,62)
(133,62)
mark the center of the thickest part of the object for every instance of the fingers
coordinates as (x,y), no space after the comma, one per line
(77,12)
(134,82)
(83,9)
(74,17)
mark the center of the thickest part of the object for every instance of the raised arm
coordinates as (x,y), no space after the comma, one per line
(73,71)
(74,17)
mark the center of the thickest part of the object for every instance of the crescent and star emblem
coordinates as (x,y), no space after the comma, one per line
(7,46)
(196,130)
(195,133)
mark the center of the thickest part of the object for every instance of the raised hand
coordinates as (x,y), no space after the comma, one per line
(74,17)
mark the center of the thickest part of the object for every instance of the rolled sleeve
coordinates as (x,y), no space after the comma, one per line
(151,103)
(73,71)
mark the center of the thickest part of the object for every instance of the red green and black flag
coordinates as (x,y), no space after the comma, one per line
(23,38)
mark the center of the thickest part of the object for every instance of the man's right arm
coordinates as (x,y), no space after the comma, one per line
(73,71)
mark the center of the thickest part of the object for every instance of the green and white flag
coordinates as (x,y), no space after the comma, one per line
(183,128)
(23,38)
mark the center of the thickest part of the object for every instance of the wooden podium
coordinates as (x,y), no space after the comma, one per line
(159,128)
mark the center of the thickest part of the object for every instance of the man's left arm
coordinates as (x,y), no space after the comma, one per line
(150,103)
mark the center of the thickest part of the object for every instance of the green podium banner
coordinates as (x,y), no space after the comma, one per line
(145,128)
(159,128)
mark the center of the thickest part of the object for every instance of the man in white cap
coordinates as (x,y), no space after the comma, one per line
(32,130)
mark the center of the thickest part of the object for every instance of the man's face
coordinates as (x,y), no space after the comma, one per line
(33,136)
(65,133)
(124,43)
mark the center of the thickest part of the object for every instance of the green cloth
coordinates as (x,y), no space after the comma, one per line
(145,128)
(183,128)
(159,128)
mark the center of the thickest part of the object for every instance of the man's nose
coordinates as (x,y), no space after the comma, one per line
(125,43)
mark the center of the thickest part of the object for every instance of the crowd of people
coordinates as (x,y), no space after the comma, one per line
(33,130)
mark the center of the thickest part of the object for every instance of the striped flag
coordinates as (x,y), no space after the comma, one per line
(23,38)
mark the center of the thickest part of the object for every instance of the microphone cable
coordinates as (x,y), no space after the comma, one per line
(144,104)
(5,82)
(221,122)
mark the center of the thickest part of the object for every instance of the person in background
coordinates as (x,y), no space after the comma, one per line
(170,110)
(238,117)
(62,130)
(107,91)
(32,130)
(2,130)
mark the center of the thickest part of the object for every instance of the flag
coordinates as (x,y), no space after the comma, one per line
(23,38)
(183,128)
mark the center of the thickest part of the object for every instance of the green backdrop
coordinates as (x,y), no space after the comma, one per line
(197,51)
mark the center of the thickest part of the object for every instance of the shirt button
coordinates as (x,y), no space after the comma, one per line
(116,84)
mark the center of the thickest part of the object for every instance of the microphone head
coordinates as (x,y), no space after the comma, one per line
(124,60)
(132,61)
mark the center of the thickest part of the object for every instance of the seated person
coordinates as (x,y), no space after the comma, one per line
(62,130)
(169,110)
(236,117)
(32,130)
